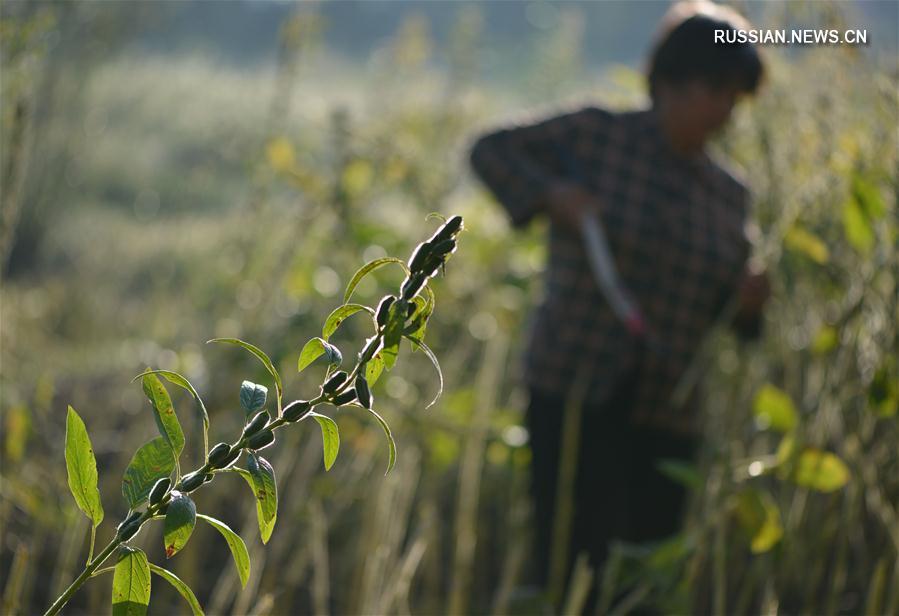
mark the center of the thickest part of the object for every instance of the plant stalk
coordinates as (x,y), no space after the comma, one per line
(85,575)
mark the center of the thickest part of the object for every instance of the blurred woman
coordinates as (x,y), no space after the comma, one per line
(674,221)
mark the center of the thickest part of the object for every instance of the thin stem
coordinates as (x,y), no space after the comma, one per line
(90,552)
(81,579)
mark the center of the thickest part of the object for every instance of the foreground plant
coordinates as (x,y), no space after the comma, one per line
(154,476)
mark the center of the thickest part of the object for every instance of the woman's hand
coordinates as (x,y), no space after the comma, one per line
(566,203)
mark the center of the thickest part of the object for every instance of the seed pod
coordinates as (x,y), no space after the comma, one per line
(344,398)
(419,255)
(363,393)
(261,440)
(413,284)
(256,424)
(374,343)
(191,482)
(336,380)
(159,490)
(218,453)
(127,531)
(384,310)
(296,410)
(443,247)
(230,459)
(131,518)
(450,229)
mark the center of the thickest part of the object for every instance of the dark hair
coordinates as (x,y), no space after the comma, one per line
(688,51)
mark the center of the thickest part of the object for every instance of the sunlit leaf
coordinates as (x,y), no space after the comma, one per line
(433,358)
(314,349)
(180,519)
(330,438)
(259,355)
(825,340)
(760,518)
(857,227)
(807,243)
(373,369)
(182,588)
(252,397)
(339,315)
(82,468)
(266,527)
(820,470)
(774,409)
(164,412)
(131,583)
(150,463)
(391,444)
(368,268)
(235,544)
(264,487)
(280,154)
(181,381)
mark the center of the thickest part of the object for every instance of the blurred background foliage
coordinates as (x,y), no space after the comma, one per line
(176,172)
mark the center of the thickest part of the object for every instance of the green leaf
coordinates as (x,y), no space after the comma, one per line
(180,519)
(857,227)
(807,243)
(264,486)
(181,587)
(682,472)
(252,397)
(265,527)
(339,315)
(176,379)
(367,269)
(373,369)
(883,393)
(131,583)
(393,332)
(313,349)
(150,463)
(820,470)
(164,413)
(259,355)
(774,409)
(82,468)
(391,444)
(760,518)
(868,197)
(235,543)
(420,344)
(330,438)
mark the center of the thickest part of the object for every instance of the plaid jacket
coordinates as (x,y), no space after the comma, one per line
(675,228)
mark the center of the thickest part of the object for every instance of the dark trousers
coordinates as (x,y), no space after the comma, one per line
(618,491)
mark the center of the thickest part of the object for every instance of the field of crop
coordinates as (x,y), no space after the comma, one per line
(150,205)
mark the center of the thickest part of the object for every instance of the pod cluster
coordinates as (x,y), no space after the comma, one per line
(429,256)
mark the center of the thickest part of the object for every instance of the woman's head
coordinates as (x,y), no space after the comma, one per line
(695,77)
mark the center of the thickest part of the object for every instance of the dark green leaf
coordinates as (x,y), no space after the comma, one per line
(180,519)
(131,583)
(265,527)
(236,544)
(330,438)
(82,468)
(340,315)
(367,269)
(150,463)
(164,413)
(252,397)
(420,344)
(259,355)
(181,587)
(393,332)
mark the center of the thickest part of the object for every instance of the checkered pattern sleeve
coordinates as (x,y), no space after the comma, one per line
(519,163)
